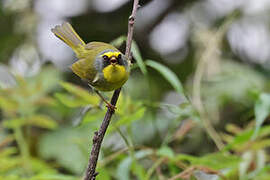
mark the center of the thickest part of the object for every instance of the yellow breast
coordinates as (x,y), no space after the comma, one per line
(115,73)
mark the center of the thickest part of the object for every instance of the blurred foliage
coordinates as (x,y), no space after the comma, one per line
(159,130)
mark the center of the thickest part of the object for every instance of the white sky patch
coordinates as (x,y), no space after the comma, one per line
(250,40)
(108,5)
(60,8)
(223,7)
(25,60)
(51,47)
(219,8)
(170,35)
(150,11)
(7,80)
(256,6)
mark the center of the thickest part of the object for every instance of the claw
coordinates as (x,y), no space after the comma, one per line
(111,107)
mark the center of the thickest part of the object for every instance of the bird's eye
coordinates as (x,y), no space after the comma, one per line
(105,57)
(119,59)
(119,56)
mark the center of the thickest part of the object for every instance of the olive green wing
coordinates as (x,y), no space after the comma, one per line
(85,69)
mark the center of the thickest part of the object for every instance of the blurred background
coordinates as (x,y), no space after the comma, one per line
(196,104)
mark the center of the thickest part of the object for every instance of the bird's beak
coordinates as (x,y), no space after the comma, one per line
(113,60)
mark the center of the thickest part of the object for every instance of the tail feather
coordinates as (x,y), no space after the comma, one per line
(66,33)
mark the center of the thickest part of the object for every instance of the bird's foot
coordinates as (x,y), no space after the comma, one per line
(111,107)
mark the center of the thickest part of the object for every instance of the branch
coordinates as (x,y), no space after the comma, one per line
(99,135)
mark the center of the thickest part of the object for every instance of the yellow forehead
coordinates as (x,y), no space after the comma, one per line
(110,54)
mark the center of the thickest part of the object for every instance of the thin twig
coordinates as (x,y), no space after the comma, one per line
(154,167)
(211,48)
(112,157)
(159,173)
(99,135)
(188,172)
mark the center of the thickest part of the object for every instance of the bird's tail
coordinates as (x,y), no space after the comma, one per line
(66,33)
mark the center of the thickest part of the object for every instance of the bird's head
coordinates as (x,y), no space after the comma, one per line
(112,58)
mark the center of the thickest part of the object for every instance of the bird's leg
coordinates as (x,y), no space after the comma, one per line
(109,105)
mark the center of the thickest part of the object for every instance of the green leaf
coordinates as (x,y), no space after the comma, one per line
(9,163)
(239,140)
(70,101)
(68,146)
(38,120)
(245,136)
(263,173)
(118,41)
(47,80)
(167,74)
(262,110)
(138,170)
(212,160)
(166,151)
(137,55)
(124,167)
(9,151)
(127,120)
(42,121)
(92,117)
(8,104)
(103,174)
(80,92)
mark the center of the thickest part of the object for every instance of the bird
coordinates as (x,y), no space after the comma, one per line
(100,64)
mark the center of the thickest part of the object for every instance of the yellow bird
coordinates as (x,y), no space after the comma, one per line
(102,65)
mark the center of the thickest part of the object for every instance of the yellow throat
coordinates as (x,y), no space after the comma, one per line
(115,73)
